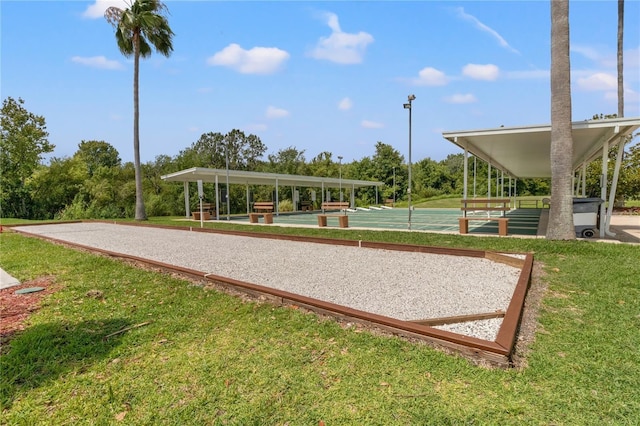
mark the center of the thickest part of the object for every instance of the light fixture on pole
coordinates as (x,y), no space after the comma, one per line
(340,180)
(410,98)
(226,156)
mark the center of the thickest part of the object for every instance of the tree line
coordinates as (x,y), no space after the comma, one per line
(95,183)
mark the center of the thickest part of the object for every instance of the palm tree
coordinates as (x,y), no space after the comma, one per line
(139,27)
(561,213)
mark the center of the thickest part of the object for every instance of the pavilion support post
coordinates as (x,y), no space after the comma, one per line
(489,180)
(248,205)
(614,186)
(187,207)
(502,183)
(217,199)
(466,172)
(475,169)
(584,178)
(603,188)
(353,196)
(277,206)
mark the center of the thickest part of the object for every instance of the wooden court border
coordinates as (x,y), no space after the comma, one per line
(498,352)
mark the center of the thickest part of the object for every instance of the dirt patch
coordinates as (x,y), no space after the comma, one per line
(15,309)
(529,322)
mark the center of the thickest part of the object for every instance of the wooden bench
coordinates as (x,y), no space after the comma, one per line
(208,210)
(263,206)
(306,206)
(335,205)
(268,217)
(209,207)
(485,205)
(530,203)
(205,215)
(343,220)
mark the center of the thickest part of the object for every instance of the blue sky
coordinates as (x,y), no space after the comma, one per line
(318,76)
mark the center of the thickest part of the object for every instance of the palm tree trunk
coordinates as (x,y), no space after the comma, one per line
(561,213)
(140,210)
(620,58)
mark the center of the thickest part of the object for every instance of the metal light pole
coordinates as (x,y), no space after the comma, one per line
(410,98)
(226,156)
(394,187)
(340,180)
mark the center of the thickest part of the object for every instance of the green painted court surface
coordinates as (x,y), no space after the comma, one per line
(521,221)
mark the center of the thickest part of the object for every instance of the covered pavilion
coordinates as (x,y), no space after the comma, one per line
(525,152)
(240,177)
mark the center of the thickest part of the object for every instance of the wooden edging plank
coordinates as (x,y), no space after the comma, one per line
(507,260)
(459,318)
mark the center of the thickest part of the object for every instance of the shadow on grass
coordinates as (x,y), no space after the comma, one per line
(45,352)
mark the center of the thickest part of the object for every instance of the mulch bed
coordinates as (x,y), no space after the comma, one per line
(627,210)
(15,309)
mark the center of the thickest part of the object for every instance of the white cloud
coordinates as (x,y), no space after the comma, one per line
(431,77)
(273,112)
(192,129)
(586,51)
(341,47)
(258,60)
(367,124)
(97,9)
(345,104)
(460,98)
(98,62)
(598,81)
(595,55)
(487,72)
(482,27)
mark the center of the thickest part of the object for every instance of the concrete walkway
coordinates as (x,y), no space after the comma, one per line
(626,227)
(7,280)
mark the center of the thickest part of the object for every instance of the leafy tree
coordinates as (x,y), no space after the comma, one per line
(53,188)
(364,170)
(209,150)
(95,154)
(288,161)
(23,141)
(431,178)
(630,175)
(163,198)
(138,28)
(385,160)
(561,214)
(321,164)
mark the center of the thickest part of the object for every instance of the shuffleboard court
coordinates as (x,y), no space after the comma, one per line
(522,222)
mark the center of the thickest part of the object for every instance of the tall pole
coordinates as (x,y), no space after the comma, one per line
(340,180)
(394,187)
(410,98)
(226,155)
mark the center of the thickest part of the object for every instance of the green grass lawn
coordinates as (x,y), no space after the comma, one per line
(210,358)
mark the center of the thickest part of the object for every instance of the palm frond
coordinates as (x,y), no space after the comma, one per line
(147,19)
(113,15)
